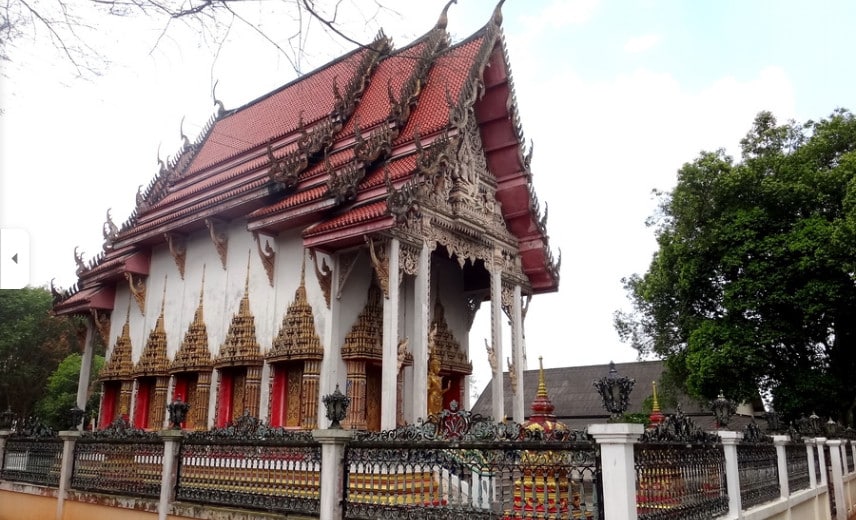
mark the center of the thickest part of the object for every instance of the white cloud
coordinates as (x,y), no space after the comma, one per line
(642,43)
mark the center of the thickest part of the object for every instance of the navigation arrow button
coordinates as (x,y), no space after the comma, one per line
(15,258)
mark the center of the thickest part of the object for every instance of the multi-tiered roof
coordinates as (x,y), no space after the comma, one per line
(343,152)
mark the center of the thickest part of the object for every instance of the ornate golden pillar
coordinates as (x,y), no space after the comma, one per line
(157,409)
(125,398)
(253,393)
(200,400)
(309,394)
(357,393)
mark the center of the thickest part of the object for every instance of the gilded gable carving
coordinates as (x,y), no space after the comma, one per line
(365,339)
(241,346)
(153,361)
(297,338)
(120,365)
(193,355)
(443,344)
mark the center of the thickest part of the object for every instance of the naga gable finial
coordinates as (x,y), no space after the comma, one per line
(443,21)
(78,259)
(217,102)
(185,142)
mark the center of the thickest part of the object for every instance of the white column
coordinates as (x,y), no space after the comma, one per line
(497,388)
(332,364)
(812,475)
(730,440)
(837,478)
(518,409)
(419,341)
(86,368)
(171,441)
(780,441)
(618,467)
(332,471)
(389,375)
(821,459)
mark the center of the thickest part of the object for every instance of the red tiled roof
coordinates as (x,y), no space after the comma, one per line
(228,174)
(351,217)
(449,74)
(277,113)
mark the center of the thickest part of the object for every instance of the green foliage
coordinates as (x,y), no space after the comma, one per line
(753,282)
(32,343)
(61,392)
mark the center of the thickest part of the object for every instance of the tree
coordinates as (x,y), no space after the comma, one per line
(32,343)
(73,27)
(754,282)
(61,392)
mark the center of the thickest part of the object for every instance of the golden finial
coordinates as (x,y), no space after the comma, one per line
(655,407)
(247,280)
(542,385)
(163,296)
(202,288)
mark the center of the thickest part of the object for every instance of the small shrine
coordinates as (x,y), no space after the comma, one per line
(545,490)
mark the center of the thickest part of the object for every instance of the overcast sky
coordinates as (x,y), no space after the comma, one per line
(615,95)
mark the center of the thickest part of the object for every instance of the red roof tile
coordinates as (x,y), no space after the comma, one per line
(449,73)
(276,114)
(349,218)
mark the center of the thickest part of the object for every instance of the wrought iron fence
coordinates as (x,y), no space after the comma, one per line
(120,460)
(757,465)
(798,469)
(36,460)
(251,465)
(680,472)
(458,466)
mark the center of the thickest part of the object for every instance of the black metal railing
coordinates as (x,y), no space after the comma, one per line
(35,460)
(120,460)
(757,466)
(680,472)
(460,466)
(253,466)
(798,469)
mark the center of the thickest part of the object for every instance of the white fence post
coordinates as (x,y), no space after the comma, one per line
(730,440)
(171,442)
(780,441)
(333,443)
(618,468)
(837,479)
(821,460)
(812,472)
(69,438)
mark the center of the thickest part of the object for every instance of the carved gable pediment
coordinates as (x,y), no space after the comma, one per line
(119,367)
(297,338)
(365,339)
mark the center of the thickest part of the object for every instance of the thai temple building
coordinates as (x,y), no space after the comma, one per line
(341,230)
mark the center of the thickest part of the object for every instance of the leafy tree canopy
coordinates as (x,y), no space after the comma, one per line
(61,392)
(754,282)
(32,343)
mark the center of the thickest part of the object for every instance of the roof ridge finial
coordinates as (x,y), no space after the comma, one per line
(202,287)
(497,14)
(247,279)
(443,21)
(163,296)
(542,384)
